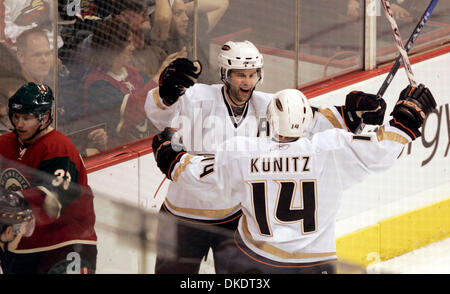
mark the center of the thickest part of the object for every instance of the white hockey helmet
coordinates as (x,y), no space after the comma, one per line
(239,55)
(289,113)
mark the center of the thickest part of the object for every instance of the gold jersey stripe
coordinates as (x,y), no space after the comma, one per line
(382,134)
(212,213)
(328,113)
(264,246)
(182,167)
(156,99)
(56,246)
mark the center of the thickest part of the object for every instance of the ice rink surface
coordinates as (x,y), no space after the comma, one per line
(431,259)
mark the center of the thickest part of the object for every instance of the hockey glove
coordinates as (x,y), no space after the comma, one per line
(166,152)
(360,108)
(176,77)
(411,109)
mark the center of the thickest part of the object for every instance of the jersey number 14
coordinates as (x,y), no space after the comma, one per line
(284,210)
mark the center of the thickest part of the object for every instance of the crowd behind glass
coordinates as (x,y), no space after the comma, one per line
(109,54)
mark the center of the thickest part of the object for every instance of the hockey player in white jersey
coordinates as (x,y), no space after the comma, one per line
(208,115)
(290,186)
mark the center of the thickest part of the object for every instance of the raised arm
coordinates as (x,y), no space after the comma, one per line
(161,20)
(359,107)
(359,155)
(214,9)
(160,104)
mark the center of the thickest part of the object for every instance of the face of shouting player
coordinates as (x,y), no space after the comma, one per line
(27,125)
(241,85)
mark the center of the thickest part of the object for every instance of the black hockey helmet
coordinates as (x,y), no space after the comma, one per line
(15,210)
(31,98)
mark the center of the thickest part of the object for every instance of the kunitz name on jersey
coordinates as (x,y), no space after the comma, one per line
(289,164)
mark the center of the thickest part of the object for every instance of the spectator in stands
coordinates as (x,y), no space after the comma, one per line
(181,35)
(36,58)
(136,13)
(4,122)
(149,57)
(11,78)
(114,92)
(355,9)
(35,55)
(132,12)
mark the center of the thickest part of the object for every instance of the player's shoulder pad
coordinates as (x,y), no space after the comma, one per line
(260,100)
(330,139)
(242,145)
(200,92)
(233,149)
(263,95)
(8,138)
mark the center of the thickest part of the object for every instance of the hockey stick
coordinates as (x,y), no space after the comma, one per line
(157,190)
(409,44)
(398,42)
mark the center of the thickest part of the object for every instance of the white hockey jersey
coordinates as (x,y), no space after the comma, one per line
(205,120)
(290,192)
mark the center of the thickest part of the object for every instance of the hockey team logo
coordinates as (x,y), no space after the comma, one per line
(38,12)
(43,89)
(16,106)
(12,180)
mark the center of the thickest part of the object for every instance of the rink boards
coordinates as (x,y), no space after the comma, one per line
(408,206)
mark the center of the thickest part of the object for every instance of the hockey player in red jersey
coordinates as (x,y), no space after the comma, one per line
(47,168)
(289,186)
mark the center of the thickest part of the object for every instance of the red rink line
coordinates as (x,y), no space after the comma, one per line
(143,147)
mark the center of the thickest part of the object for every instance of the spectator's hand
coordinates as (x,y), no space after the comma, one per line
(99,138)
(146,26)
(399,12)
(353,8)
(3,110)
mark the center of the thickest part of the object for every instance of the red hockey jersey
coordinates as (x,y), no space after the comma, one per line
(50,165)
(118,102)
